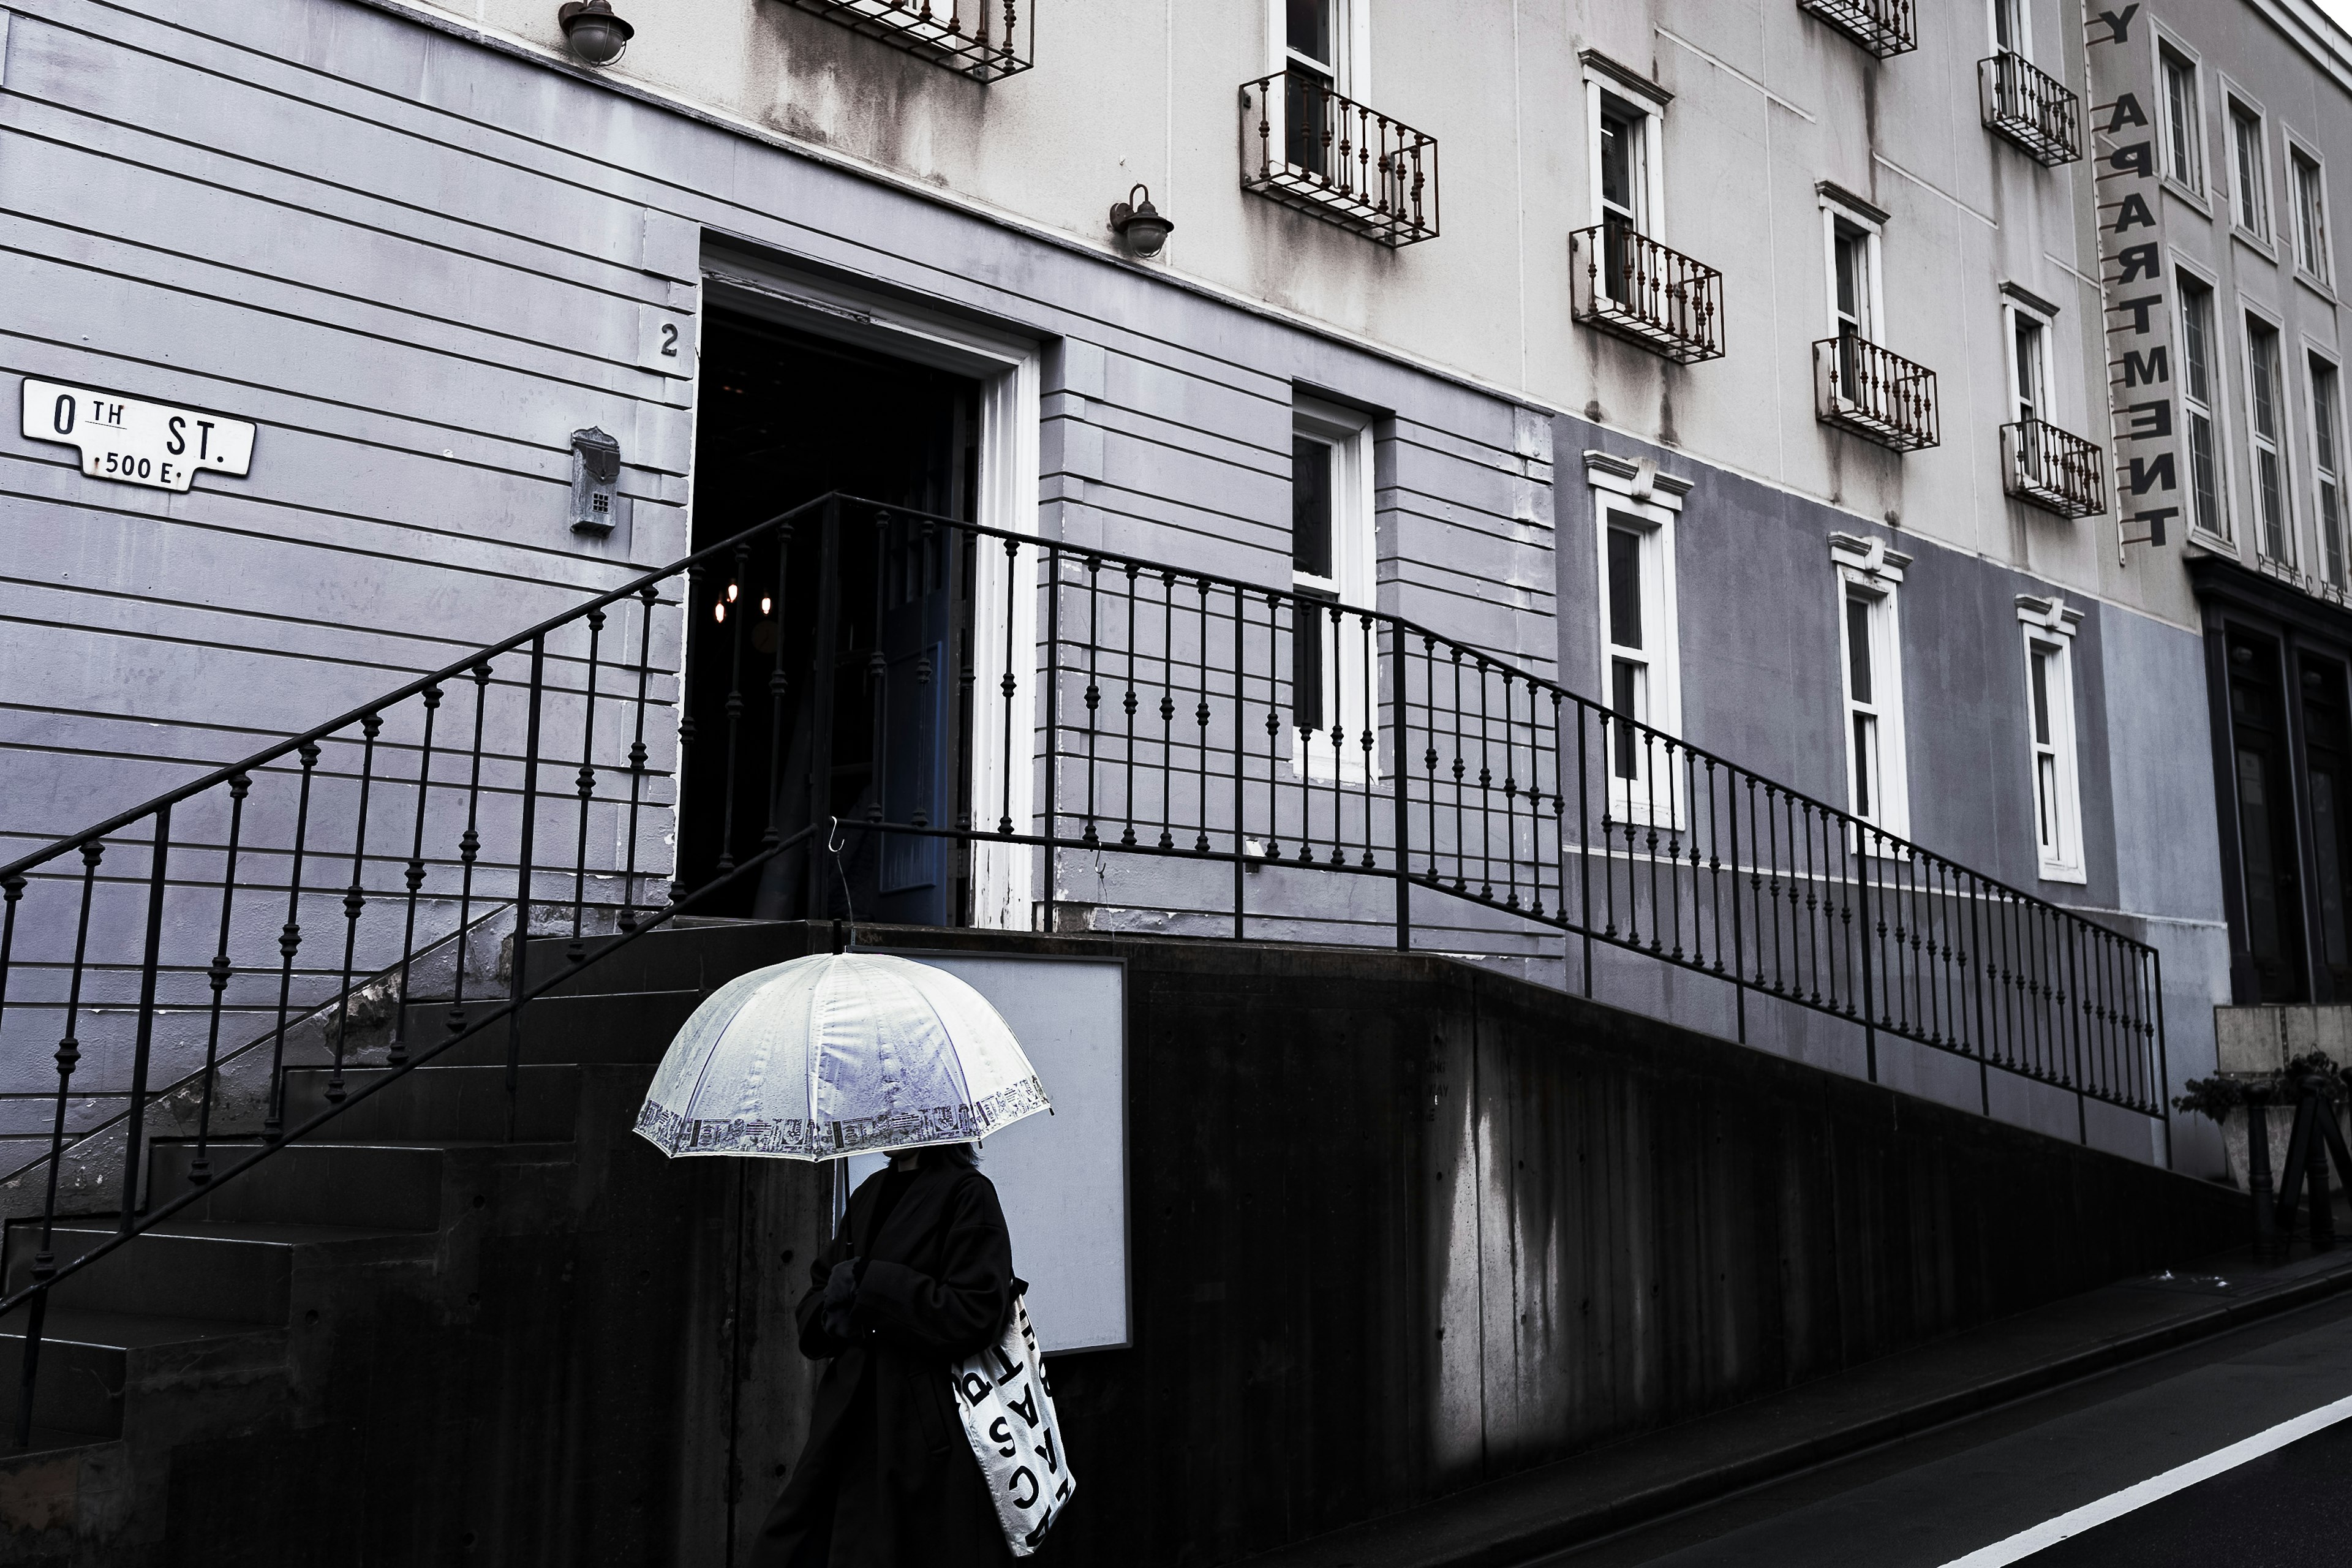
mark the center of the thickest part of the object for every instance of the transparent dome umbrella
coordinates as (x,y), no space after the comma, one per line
(836,1054)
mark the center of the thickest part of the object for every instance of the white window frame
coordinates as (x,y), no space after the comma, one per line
(2319,269)
(1632,493)
(2014,312)
(1865,568)
(2020,18)
(2279,442)
(2192,182)
(1351,41)
(1603,81)
(1833,213)
(2214,405)
(2325,479)
(2048,627)
(1354,583)
(2244,202)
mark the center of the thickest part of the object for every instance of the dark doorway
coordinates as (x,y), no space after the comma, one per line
(788,416)
(2328,751)
(2266,836)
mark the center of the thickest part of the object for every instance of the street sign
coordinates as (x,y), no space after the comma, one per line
(136,442)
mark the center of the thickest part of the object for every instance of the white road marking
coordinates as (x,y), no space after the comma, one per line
(2051,1532)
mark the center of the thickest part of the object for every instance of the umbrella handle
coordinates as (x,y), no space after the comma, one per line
(833,844)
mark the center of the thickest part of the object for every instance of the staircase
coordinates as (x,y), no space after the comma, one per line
(437,1268)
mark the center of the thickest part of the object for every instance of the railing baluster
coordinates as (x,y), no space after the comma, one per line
(355,899)
(469,844)
(289,943)
(586,780)
(200,1169)
(413,874)
(520,966)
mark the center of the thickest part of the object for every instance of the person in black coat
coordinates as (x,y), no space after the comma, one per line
(919,1276)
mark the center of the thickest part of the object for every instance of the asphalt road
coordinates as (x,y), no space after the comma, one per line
(1985,1492)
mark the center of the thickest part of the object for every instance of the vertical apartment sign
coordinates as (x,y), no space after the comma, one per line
(2135,286)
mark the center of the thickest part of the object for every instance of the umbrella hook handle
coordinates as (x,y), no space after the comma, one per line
(833,844)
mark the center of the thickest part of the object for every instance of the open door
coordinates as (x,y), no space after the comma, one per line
(787,417)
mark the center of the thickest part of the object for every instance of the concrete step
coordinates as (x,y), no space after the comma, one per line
(633,1027)
(691,958)
(370,1186)
(89,1361)
(181,1272)
(463,1104)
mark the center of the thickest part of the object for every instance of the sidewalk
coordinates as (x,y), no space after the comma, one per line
(1595,1494)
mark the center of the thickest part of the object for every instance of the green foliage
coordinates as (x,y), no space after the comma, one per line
(2218,1096)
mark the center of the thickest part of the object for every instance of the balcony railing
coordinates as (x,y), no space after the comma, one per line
(1630,285)
(2032,108)
(1885,27)
(1308,147)
(2046,467)
(1879,395)
(986,40)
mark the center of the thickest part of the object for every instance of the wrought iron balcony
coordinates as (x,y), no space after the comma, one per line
(1885,27)
(2046,467)
(2032,108)
(1308,147)
(1630,285)
(1877,394)
(986,40)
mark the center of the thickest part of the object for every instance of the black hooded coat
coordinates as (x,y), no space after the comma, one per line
(887,1478)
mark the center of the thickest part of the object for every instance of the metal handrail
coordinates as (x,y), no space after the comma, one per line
(1875,393)
(2030,107)
(1312,148)
(1885,27)
(986,40)
(2052,469)
(1174,725)
(1627,284)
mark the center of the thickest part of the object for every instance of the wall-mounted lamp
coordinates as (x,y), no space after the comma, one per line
(1140,223)
(595,34)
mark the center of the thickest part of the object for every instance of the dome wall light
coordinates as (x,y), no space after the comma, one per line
(1140,224)
(595,34)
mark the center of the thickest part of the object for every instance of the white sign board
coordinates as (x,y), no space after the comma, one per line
(139,443)
(1061,1178)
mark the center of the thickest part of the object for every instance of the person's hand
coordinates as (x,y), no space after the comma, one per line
(840,1296)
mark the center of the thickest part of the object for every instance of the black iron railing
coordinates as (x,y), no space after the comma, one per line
(986,40)
(1885,27)
(1304,145)
(2049,467)
(954,705)
(1874,393)
(2032,108)
(1630,285)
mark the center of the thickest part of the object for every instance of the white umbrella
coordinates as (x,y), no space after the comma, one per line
(845,1053)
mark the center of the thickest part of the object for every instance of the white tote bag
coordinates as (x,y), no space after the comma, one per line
(1008,1415)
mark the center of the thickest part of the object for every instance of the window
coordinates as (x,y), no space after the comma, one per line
(1851,255)
(1318,44)
(1624,190)
(2028,368)
(2008,27)
(2251,176)
(1634,514)
(2326,434)
(2197,407)
(2310,218)
(1869,575)
(1333,560)
(2184,153)
(2048,625)
(2270,511)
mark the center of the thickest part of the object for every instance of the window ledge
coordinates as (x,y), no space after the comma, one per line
(2253,242)
(2055,873)
(2189,195)
(2318,285)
